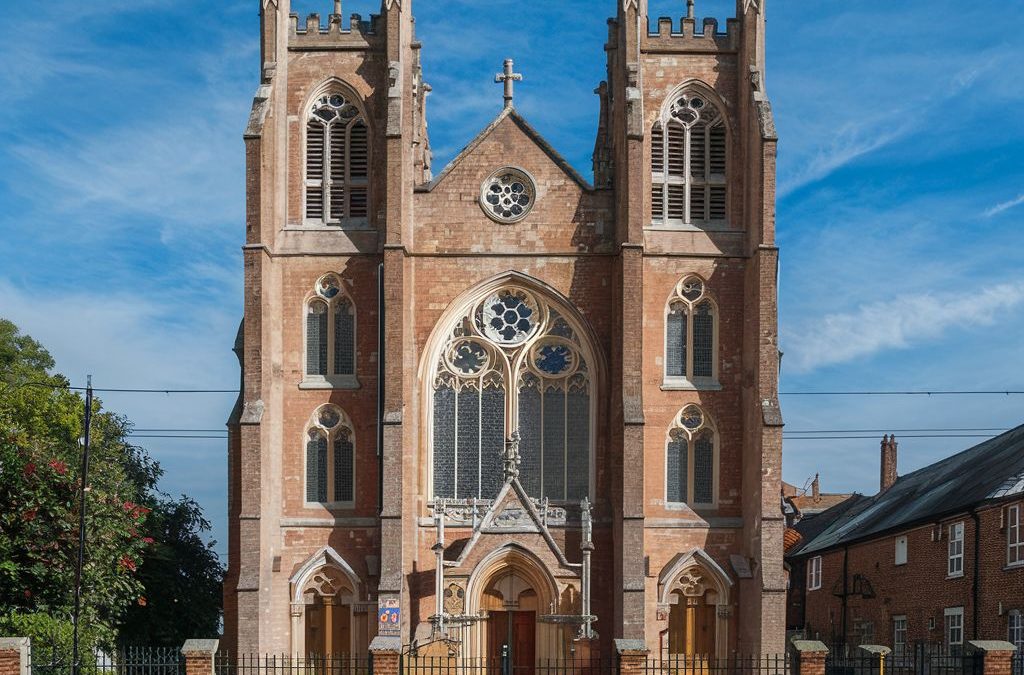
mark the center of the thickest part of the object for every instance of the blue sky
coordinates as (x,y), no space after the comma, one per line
(900,208)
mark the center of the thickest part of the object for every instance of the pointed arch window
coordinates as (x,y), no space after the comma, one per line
(513,363)
(689,151)
(330,336)
(691,336)
(337,163)
(330,458)
(691,466)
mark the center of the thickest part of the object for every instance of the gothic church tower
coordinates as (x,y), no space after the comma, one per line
(501,406)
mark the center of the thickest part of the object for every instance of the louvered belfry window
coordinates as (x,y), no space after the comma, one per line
(688,164)
(330,332)
(690,327)
(330,457)
(513,364)
(691,470)
(337,163)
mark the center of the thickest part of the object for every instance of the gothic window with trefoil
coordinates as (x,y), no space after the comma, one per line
(691,462)
(337,162)
(691,327)
(330,457)
(330,328)
(512,363)
(689,156)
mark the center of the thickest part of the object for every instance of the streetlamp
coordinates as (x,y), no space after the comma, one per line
(75,664)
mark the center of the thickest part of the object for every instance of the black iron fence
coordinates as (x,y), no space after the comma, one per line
(504,664)
(735,664)
(52,660)
(918,659)
(312,664)
(1018,662)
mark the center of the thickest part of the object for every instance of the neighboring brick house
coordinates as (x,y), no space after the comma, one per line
(937,556)
(501,404)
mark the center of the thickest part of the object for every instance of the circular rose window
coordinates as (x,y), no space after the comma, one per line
(508,195)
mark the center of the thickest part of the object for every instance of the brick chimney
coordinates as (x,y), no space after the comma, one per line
(816,489)
(888,472)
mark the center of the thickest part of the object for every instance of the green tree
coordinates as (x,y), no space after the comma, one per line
(138,540)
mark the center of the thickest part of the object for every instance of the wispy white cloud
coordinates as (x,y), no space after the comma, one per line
(894,324)
(1004,206)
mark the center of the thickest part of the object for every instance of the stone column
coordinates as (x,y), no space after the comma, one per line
(632,656)
(996,655)
(14,656)
(386,652)
(199,656)
(810,657)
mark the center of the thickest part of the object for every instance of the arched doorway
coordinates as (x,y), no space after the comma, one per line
(694,596)
(513,590)
(328,614)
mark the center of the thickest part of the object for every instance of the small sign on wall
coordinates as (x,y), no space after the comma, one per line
(389,617)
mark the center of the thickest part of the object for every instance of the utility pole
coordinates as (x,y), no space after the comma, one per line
(75,662)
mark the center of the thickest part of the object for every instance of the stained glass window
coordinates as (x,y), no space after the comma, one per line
(691,470)
(512,336)
(337,163)
(330,476)
(690,324)
(688,163)
(330,353)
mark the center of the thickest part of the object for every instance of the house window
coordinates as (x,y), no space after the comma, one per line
(512,352)
(956,550)
(814,573)
(899,635)
(690,329)
(1014,536)
(954,626)
(1015,636)
(337,163)
(691,469)
(330,458)
(330,335)
(688,163)
(901,550)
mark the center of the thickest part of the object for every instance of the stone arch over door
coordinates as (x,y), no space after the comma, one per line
(513,579)
(693,585)
(324,593)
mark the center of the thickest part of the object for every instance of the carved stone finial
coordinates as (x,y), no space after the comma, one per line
(690,13)
(337,7)
(509,77)
(512,458)
(588,525)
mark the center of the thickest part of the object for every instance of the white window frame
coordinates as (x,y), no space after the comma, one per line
(331,380)
(899,634)
(1015,630)
(954,626)
(814,573)
(1014,537)
(345,423)
(688,381)
(902,550)
(692,434)
(955,549)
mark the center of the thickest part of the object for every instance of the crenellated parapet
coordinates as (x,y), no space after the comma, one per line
(688,36)
(313,34)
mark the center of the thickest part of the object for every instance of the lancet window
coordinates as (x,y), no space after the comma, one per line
(689,150)
(330,333)
(691,467)
(330,457)
(691,346)
(512,363)
(337,162)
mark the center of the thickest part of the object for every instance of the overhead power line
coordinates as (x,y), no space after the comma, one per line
(1009,392)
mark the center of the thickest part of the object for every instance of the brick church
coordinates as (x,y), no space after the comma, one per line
(496,405)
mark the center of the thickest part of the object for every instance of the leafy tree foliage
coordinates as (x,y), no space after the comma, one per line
(144,552)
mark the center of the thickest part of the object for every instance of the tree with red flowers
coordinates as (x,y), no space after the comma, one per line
(40,459)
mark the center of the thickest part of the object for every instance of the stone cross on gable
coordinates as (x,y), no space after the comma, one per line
(509,77)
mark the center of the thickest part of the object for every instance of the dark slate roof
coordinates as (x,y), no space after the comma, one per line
(810,527)
(989,471)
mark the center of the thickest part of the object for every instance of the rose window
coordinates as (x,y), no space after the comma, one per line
(508,317)
(508,195)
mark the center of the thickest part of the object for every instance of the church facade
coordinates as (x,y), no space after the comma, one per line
(498,406)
